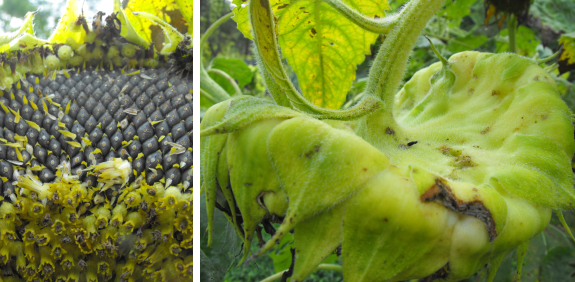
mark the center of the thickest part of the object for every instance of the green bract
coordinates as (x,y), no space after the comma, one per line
(455,170)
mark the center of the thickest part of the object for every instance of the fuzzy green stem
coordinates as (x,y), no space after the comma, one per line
(512,28)
(213,27)
(208,96)
(380,26)
(210,86)
(547,59)
(229,78)
(353,100)
(389,66)
(323,266)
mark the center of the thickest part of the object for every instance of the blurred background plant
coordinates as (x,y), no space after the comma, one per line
(12,13)
(532,28)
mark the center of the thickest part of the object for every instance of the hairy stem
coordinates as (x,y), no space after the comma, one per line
(229,78)
(210,87)
(380,26)
(512,28)
(389,66)
(323,266)
(213,27)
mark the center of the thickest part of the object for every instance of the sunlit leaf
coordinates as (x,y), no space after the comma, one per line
(127,29)
(64,28)
(167,10)
(27,26)
(567,57)
(324,48)
(173,36)
(26,42)
(241,17)
(186,8)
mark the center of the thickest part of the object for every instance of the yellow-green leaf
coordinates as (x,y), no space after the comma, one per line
(25,42)
(26,27)
(241,17)
(167,10)
(186,8)
(67,21)
(127,30)
(324,48)
(173,36)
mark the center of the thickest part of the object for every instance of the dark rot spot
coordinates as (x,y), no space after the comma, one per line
(442,194)
(536,78)
(544,117)
(385,219)
(438,275)
(283,6)
(411,143)
(485,131)
(364,169)
(470,92)
(495,92)
(313,31)
(389,131)
(313,151)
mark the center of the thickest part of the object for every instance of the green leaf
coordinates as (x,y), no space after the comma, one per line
(281,254)
(526,42)
(533,259)
(456,9)
(557,14)
(323,48)
(225,246)
(558,265)
(468,43)
(236,68)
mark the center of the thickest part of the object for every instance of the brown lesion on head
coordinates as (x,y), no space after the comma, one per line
(464,161)
(442,194)
(311,152)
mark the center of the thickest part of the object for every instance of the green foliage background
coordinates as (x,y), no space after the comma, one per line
(459,26)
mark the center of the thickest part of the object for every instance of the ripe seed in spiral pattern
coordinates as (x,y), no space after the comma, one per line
(80,122)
